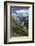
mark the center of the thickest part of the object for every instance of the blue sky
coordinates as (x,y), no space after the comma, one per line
(19,11)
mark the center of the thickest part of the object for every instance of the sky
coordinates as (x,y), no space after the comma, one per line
(19,11)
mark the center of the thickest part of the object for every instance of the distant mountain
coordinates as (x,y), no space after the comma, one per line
(20,18)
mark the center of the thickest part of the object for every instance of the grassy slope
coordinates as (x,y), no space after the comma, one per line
(18,30)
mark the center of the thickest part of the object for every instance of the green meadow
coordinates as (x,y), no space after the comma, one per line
(16,30)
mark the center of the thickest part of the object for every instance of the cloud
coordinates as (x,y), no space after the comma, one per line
(13,14)
(25,14)
(21,11)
